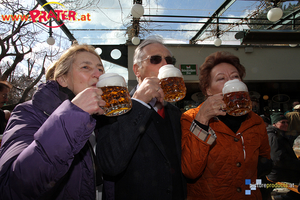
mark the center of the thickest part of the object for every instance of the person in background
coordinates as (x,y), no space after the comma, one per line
(294,123)
(266,120)
(255,105)
(286,166)
(219,151)
(139,151)
(45,152)
(292,107)
(5,87)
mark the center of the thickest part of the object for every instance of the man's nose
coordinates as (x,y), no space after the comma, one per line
(163,61)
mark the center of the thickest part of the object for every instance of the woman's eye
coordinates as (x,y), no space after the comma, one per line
(236,76)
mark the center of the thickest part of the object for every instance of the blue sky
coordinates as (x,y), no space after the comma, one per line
(114,14)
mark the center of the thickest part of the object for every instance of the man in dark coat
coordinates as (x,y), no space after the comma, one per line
(286,166)
(140,152)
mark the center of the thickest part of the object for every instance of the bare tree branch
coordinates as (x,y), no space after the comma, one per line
(25,94)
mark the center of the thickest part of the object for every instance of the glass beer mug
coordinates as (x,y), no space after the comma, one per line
(236,98)
(172,83)
(115,94)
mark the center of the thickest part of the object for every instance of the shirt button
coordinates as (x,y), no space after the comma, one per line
(236,140)
(238,164)
(238,189)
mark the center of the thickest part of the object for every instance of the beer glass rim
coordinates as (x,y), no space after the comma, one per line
(119,81)
(234,85)
(169,70)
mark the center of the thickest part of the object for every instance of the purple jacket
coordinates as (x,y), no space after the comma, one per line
(44,152)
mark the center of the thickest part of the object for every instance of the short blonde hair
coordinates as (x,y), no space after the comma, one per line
(63,64)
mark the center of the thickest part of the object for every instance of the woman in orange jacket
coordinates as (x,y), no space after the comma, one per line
(220,152)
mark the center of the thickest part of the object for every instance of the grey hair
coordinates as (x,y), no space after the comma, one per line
(139,53)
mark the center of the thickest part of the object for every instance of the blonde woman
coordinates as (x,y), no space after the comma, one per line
(45,152)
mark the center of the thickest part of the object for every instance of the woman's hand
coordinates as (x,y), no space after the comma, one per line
(149,89)
(90,100)
(212,107)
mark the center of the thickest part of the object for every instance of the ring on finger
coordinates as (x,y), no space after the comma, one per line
(221,107)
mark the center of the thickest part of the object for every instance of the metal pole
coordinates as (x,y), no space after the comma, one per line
(137,1)
(50,27)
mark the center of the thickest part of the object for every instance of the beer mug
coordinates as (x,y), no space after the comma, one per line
(236,98)
(115,94)
(172,83)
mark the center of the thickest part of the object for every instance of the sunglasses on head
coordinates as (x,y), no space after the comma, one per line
(156,59)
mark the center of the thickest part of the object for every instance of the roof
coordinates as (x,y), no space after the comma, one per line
(192,21)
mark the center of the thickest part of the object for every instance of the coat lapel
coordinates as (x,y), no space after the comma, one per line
(176,127)
(154,133)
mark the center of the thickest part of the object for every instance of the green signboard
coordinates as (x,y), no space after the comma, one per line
(188,69)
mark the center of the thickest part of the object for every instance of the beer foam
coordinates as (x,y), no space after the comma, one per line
(169,71)
(111,79)
(234,85)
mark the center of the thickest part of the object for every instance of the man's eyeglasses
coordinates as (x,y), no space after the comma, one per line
(156,59)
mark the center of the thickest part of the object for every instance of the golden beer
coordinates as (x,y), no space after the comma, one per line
(174,88)
(172,83)
(115,94)
(237,103)
(117,100)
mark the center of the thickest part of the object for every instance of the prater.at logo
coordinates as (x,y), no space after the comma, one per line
(43,16)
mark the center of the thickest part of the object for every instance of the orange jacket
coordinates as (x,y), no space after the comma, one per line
(219,171)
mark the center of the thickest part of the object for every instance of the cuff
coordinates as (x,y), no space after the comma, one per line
(206,136)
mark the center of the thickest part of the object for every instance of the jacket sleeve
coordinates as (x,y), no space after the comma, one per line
(194,153)
(264,165)
(118,140)
(37,153)
(264,149)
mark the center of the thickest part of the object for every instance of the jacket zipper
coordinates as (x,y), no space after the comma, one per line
(242,139)
(94,167)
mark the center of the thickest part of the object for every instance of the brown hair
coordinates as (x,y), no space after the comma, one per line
(64,63)
(214,59)
(4,84)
